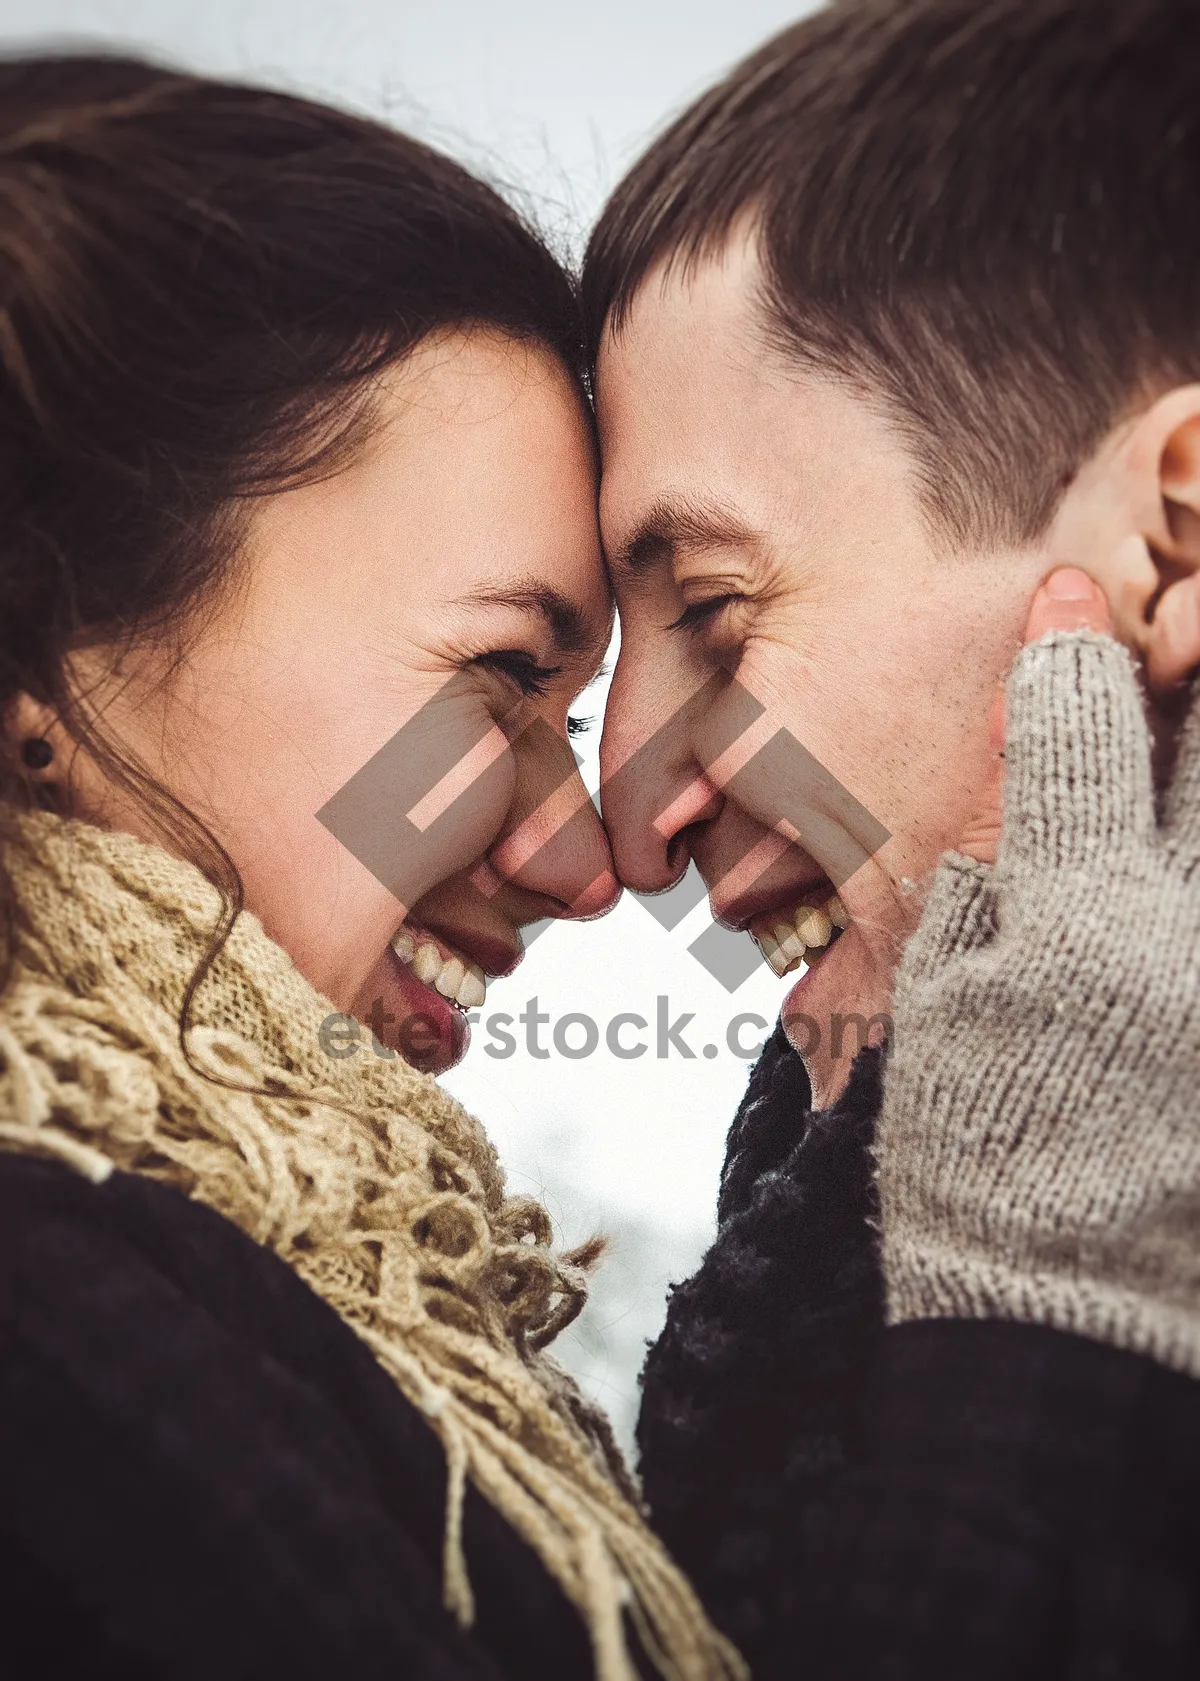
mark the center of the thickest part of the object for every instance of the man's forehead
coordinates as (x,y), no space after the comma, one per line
(686,311)
(716,466)
(674,383)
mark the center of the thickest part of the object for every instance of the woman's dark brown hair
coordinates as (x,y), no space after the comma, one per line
(198,282)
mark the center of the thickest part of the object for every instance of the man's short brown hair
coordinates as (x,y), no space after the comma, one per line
(986,213)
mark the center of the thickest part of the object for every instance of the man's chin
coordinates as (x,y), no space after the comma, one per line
(837,1007)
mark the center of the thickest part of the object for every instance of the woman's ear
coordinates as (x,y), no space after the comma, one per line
(1162,459)
(35,739)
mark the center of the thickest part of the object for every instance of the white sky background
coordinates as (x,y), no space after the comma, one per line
(551,100)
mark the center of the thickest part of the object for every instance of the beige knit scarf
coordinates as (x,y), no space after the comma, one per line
(363,1175)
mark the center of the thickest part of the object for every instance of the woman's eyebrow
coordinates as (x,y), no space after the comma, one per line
(569,625)
(673,524)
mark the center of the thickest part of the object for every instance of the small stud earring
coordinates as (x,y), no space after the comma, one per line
(36,753)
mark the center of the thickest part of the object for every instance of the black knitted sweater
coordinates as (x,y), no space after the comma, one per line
(940,1499)
(205,1475)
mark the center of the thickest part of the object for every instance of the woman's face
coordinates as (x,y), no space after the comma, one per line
(449,584)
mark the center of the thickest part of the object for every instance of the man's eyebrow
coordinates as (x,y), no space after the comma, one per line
(568,622)
(679,524)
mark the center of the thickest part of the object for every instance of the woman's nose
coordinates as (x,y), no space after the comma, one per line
(602,893)
(554,843)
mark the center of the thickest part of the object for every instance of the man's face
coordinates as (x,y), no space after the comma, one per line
(777,512)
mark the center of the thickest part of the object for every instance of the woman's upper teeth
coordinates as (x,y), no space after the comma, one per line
(810,928)
(437,966)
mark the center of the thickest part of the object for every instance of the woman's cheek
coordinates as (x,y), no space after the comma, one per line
(430,802)
(472,782)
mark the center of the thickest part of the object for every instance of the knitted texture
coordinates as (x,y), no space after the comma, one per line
(751,1395)
(370,1181)
(1039,1144)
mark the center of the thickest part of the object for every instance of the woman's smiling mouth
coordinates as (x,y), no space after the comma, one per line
(437,965)
(428,985)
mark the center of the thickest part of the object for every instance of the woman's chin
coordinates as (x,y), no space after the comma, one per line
(410,1019)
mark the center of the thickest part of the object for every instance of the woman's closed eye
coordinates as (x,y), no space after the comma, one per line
(531,678)
(521,668)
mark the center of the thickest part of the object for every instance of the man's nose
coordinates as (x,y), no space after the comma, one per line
(652,788)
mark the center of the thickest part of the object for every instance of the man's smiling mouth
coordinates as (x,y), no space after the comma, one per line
(796,934)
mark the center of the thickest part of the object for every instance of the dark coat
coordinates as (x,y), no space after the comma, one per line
(943,1499)
(204,1474)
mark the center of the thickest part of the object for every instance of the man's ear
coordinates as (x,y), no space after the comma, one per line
(1161,466)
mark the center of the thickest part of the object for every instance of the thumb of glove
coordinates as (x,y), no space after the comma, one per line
(1066,600)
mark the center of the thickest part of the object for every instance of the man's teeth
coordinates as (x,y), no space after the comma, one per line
(814,927)
(810,929)
(789,947)
(453,977)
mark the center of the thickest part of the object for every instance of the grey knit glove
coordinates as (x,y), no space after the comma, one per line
(1038,1150)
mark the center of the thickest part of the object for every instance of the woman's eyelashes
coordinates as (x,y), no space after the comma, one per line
(521,668)
(531,678)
